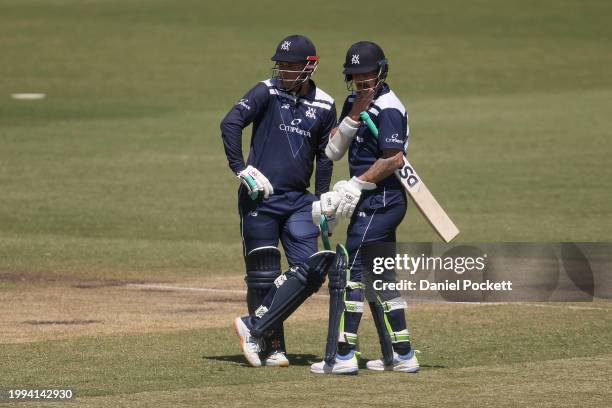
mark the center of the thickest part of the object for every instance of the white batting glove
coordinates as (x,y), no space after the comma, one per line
(254,180)
(350,192)
(327,205)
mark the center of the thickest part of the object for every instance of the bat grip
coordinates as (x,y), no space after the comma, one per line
(253,186)
(324,232)
(365,116)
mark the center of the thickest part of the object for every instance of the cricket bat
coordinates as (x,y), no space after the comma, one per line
(422,197)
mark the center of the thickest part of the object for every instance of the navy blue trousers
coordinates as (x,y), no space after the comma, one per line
(284,217)
(375,220)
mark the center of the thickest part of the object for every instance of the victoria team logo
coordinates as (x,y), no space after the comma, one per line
(311,113)
(355,59)
(285,46)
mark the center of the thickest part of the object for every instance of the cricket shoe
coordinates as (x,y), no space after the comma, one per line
(346,365)
(277,359)
(402,363)
(249,344)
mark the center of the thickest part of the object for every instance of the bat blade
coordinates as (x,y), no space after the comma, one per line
(426,202)
(412,183)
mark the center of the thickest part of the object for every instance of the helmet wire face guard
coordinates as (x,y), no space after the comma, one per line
(361,86)
(295,77)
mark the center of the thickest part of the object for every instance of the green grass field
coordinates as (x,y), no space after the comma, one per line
(118,176)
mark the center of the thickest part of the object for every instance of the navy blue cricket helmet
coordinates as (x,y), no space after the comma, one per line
(294,48)
(363,57)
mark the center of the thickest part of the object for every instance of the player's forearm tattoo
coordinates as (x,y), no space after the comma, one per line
(383,168)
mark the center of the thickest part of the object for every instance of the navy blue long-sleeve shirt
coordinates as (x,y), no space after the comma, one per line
(289,133)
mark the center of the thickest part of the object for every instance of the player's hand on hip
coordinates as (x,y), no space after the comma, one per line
(261,183)
(350,193)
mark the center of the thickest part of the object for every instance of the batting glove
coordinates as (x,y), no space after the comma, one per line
(254,181)
(350,193)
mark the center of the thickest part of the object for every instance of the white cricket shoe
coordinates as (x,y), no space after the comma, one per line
(347,367)
(249,344)
(277,359)
(404,364)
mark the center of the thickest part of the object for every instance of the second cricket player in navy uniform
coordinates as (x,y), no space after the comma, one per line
(374,201)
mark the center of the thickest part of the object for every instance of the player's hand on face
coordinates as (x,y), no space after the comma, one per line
(350,193)
(254,180)
(362,102)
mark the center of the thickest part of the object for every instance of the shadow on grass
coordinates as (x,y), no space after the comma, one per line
(362,365)
(294,359)
(298,360)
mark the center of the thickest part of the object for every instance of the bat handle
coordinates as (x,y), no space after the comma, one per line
(253,186)
(324,232)
(365,117)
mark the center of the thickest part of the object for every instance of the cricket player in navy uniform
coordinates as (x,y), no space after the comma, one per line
(375,203)
(292,119)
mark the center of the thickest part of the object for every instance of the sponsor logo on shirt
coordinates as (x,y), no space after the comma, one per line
(244,103)
(393,139)
(294,128)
